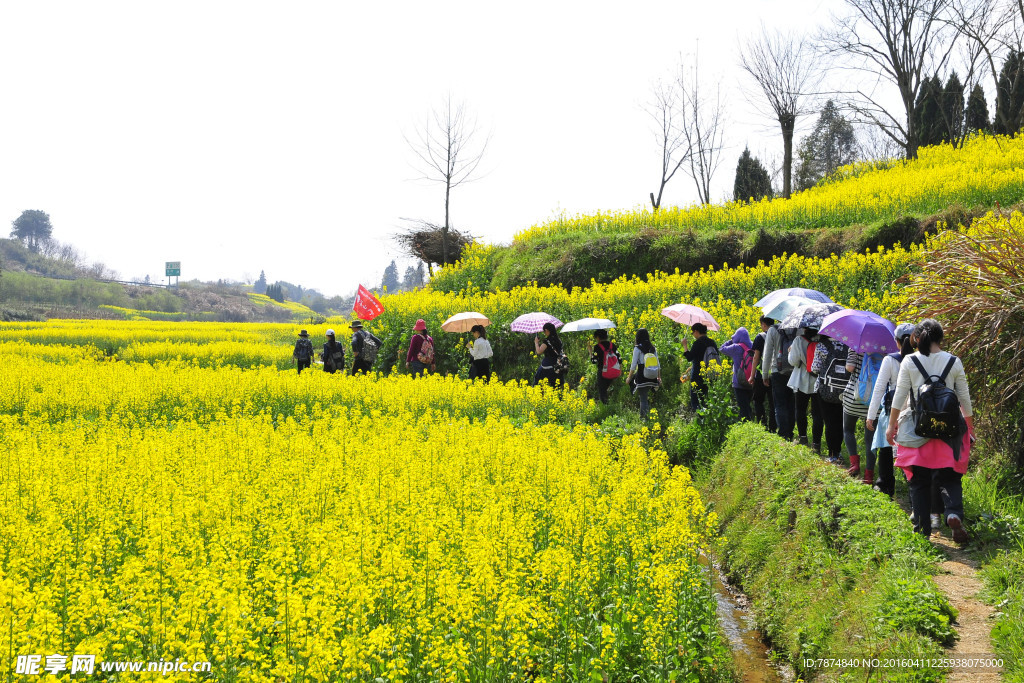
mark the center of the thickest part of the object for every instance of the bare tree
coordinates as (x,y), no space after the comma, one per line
(783,67)
(666,110)
(703,129)
(900,41)
(992,28)
(449,149)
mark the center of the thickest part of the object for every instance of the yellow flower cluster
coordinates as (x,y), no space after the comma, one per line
(325,527)
(859,280)
(986,170)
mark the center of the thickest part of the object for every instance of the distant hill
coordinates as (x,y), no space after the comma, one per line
(56,283)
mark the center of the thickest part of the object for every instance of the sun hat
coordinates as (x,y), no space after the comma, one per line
(904,330)
(420,326)
(303,333)
(356,323)
(330,333)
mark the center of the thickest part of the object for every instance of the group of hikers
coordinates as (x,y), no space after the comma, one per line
(365,347)
(913,407)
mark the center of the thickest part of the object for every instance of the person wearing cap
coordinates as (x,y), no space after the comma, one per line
(333,354)
(364,348)
(302,356)
(881,404)
(421,350)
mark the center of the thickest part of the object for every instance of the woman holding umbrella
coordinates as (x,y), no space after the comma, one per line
(481,353)
(549,350)
(881,404)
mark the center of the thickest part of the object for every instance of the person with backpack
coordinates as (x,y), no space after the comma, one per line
(776,368)
(762,392)
(741,351)
(421,350)
(333,354)
(881,404)
(829,366)
(644,370)
(932,425)
(481,353)
(303,353)
(606,356)
(802,381)
(703,352)
(554,364)
(855,409)
(365,347)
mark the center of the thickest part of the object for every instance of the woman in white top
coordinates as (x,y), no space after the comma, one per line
(480,351)
(922,459)
(802,381)
(878,415)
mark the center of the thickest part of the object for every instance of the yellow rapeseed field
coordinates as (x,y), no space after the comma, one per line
(323,527)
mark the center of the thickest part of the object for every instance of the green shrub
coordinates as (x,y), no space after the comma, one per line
(833,568)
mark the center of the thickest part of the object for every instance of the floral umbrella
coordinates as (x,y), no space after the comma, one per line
(810,316)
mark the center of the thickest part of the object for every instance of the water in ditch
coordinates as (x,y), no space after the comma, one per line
(750,654)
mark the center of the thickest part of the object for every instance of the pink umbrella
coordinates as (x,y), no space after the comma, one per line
(688,314)
(534,322)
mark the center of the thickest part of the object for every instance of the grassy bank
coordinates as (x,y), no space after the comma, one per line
(833,568)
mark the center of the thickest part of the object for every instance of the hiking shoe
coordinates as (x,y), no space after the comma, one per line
(936,521)
(959,533)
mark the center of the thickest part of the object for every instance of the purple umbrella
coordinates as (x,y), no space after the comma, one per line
(534,322)
(862,331)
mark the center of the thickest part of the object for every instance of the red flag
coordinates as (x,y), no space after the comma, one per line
(367,306)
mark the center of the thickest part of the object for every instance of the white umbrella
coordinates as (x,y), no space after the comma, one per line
(585,324)
(464,322)
(779,308)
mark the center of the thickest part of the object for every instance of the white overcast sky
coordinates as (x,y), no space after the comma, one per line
(240,136)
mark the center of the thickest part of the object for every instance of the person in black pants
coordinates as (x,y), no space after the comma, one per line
(695,354)
(602,347)
(762,390)
(303,353)
(359,338)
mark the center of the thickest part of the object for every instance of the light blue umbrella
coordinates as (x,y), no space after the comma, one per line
(780,307)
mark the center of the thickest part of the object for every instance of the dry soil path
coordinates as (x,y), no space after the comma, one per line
(959,580)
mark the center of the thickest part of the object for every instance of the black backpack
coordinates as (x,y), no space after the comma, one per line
(936,407)
(782,364)
(890,390)
(833,377)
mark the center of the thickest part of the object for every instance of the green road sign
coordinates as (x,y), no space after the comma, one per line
(173,268)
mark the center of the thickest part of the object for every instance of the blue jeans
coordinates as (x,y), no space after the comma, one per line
(645,407)
(548,372)
(785,405)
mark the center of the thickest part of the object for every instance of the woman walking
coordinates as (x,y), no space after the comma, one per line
(924,460)
(647,375)
(881,404)
(829,366)
(333,354)
(740,350)
(549,350)
(853,411)
(421,350)
(599,355)
(481,353)
(802,381)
